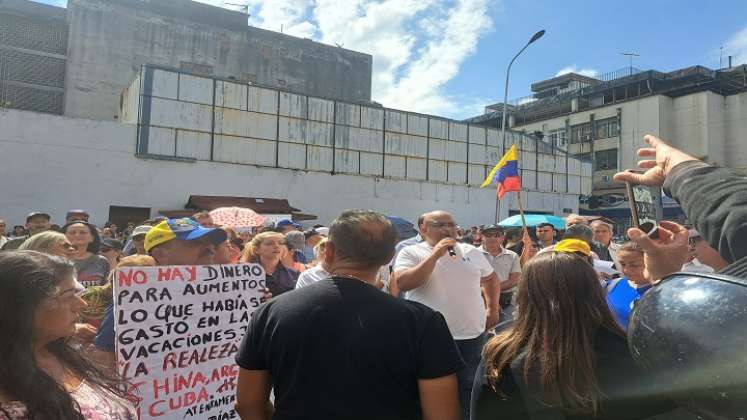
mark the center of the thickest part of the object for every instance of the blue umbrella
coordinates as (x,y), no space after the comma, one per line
(404,228)
(533,220)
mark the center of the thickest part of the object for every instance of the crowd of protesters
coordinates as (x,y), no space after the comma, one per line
(481,323)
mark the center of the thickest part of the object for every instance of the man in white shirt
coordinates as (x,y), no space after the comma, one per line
(452,278)
(603,235)
(505,262)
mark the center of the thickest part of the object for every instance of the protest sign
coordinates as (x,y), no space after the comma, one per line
(177,331)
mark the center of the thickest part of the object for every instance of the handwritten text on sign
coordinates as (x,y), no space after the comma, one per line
(178,329)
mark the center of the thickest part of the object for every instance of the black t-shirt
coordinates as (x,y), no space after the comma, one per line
(628,393)
(340,348)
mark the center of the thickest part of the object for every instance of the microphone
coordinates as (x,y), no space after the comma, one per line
(452,254)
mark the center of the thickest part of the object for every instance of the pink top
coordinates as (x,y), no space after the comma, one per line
(95,404)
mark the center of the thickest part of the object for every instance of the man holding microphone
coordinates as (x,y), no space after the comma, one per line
(457,280)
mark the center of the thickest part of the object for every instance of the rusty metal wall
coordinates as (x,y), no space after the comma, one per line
(195,117)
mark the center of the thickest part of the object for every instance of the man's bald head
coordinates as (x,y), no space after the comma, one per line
(437,225)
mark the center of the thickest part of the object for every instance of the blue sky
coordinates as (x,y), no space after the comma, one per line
(591,34)
(449,57)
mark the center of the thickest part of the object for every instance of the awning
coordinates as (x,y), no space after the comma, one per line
(260,205)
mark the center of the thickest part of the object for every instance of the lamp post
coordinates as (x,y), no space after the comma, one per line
(535,37)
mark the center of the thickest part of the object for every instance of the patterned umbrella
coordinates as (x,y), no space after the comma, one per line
(236,217)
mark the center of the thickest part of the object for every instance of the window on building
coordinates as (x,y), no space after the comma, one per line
(606,159)
(584,156)
(557,137)
(580,133)
(608,127)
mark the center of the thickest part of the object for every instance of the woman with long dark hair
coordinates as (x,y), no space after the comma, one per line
(565,357)
(41,377)
(92,268)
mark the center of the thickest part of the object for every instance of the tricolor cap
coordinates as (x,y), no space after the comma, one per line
(184,229)
(570,246)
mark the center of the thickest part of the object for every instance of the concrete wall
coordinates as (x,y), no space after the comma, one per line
(736,131)
(110,39)
(52,163)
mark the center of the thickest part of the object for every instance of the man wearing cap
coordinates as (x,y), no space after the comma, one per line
(286,225)
(171,242)
(36,222)
(77,215)
(137,241)
(183,242)
(111,249)
(505,262)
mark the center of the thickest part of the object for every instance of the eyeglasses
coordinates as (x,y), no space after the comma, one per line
(492,234)
(438,225)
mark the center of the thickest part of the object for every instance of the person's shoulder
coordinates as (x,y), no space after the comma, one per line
(315,271)
(507,251)
(611,349)
(469,249)
(416,249)
(418,311)
(416,245)
(14,243)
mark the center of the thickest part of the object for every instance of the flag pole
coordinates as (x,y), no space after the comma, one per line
(521,210)
(497,208)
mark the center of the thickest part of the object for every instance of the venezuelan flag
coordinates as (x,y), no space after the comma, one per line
(505,173)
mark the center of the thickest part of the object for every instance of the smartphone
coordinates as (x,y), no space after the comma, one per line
(642,210)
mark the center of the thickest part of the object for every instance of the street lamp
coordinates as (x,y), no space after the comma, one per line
(535,37)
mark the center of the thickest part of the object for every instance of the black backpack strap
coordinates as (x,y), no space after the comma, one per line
(535,408)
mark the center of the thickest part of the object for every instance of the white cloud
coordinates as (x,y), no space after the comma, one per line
(736,46)
(574,69)
(418,46)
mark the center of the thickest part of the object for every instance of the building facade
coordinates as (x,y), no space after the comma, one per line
(170,99)
(603,121)
(82,57)
(33,56)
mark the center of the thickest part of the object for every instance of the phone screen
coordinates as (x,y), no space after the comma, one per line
(642,207)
